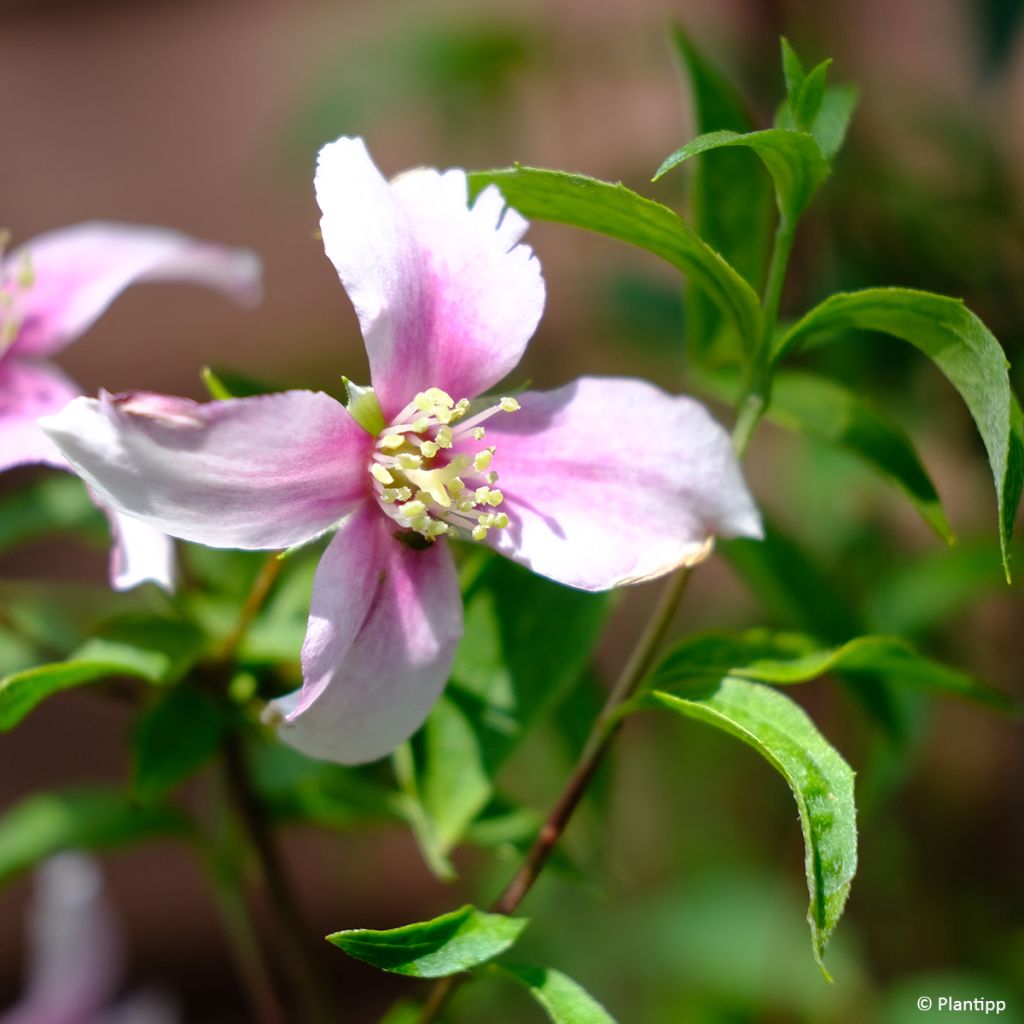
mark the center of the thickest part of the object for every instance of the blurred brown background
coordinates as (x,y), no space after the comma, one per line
(206,116)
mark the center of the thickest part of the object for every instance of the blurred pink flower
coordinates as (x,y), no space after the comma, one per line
(602,482)
(52,289)
(75,954)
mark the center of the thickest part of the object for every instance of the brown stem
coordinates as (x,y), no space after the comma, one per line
(605,727)
(253,603)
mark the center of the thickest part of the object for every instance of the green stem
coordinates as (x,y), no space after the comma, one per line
(603,731)
(758,389)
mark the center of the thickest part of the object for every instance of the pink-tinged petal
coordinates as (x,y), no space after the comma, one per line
(77,272)
(263,472)
(613,481)
(384,623)
(446,297)
(75,950)
(27,391)
(141,554)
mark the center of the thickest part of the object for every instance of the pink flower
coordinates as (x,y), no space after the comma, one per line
(76,963)
(52,290)
(597,484)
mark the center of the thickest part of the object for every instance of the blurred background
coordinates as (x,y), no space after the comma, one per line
(688,902)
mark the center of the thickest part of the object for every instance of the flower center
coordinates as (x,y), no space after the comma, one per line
(425,488)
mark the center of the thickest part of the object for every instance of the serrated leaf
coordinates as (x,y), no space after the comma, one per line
(563,1000)
(731,200)
(820,779)
(616,212)
(174,738)
(58,503)
(449,944)
(961,346)
(48,823)
(787,658)
(792,158)
(139,647)
(526,641)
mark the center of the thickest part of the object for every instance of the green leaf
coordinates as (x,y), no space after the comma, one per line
(808,404)
(449,944)
(820,779)
(731,201)
(833,119)
(961,346)
(564,1001)
(790,582)
(792,158)
(174,738)
(787,658)
(613,210)
(150,647)
(920,596)
(822,408)
(140,647)
(526,641)
(48,823)
(792,69)
(57,503)
(808,100)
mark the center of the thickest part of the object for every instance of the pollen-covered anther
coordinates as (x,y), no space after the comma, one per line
(424,489)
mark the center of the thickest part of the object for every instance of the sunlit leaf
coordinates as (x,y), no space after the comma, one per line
(792,158)
(563,1000)
(820,779)
(961,346)
(449,944)
(613,210)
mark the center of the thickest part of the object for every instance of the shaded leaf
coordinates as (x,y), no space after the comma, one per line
(526,641)
(154,650)
(449,944)
(820,779)
(786,658)
(55,504)
(833,119)
(819,407)
(92,819)
(964,350)
(613,210)
(174,738)
(563,1000)
(731,201)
